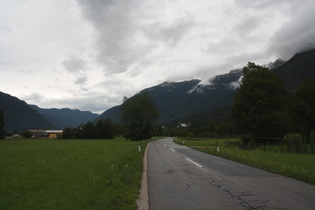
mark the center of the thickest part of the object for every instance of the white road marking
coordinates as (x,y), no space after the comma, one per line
(194,162)
(172,149)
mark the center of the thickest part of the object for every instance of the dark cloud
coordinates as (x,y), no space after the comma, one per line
(128,33)
(74,64)
(81,79)
(116,25)
(247,25)
(298,34)
(77,66)
(260,4)
(171,33)
(6,30)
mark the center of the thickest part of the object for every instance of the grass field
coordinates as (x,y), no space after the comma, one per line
(297,166)
(70,174)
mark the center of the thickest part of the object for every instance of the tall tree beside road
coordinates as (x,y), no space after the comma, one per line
(259,105)
(138,114)
(303,107)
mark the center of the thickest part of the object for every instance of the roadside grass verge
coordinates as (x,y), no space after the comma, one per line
(70,174)
(297,166)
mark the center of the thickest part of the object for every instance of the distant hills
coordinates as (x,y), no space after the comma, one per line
(65,117)
(186,101)
(190,101)
(19,116)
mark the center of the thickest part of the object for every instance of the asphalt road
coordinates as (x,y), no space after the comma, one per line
(183,178)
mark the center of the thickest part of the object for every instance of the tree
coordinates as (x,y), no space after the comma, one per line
(259,105)
(27,134)
(105,129)
(138,114)
(86,131)
(303,107)
(67,133)
(2,134)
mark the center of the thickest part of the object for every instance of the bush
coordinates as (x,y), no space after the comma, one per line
(247,140)
(27,134)
(293,142)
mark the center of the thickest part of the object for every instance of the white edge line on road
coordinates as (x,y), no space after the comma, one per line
(194,162)
(172,149)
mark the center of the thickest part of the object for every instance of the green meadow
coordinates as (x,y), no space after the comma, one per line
(70,174)
(268,157)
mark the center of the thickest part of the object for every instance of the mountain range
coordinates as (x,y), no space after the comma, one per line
(191,100)
(63,118)
(177,100)
(185,101)
(19,116)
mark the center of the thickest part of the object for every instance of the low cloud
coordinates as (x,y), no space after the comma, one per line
(236,84)
(298,34)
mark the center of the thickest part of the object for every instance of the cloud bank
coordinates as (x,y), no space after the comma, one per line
(298,34)
(90,54)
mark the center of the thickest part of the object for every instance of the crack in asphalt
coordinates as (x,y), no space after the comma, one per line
(188,185)
(239,197)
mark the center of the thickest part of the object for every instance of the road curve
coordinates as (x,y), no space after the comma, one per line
(182,178)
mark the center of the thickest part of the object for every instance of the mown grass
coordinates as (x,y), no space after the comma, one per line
(70,174)
(297,166)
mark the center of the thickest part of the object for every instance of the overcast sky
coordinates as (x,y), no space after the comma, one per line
(89,54)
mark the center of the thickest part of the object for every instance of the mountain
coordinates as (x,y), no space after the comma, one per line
(295,70)
(182,99)
(192,101)
(18,116)
(112,113)
(65,117)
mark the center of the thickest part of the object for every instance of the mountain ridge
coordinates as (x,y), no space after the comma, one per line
(181,100)
(65,117)
(18,116)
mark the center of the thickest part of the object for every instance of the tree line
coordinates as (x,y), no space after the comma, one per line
(263,108)
(264,111)
(137,114)
(103,129)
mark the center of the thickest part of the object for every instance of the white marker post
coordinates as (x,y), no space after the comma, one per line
(218,149)
(139,148)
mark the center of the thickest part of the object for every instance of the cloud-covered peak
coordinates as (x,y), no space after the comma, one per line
(297,34)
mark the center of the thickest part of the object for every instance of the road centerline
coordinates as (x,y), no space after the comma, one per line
(197,164)
(172,150)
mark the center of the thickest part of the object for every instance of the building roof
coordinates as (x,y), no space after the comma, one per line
(45,131)
(54,131)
